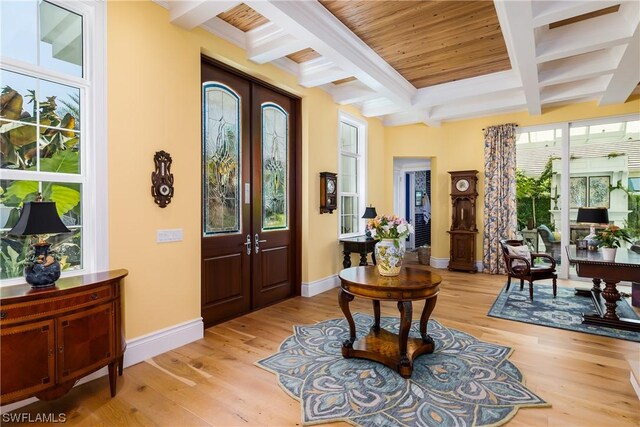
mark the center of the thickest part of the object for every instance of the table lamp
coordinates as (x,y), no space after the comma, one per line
(369,213)
(40,218)
(592,217)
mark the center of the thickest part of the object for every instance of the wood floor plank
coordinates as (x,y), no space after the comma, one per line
(214,381)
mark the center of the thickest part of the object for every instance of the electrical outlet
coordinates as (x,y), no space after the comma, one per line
(166,236)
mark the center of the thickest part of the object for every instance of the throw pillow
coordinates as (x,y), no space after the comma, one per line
(521,251)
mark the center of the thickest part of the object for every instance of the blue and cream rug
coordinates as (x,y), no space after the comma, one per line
(465,382)
(563,312)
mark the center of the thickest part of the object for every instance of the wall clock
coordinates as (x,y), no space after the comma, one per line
(328,192)
(162,179)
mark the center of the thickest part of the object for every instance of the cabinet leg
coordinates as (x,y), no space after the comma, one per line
(346,261)
(120,365)
(112,378)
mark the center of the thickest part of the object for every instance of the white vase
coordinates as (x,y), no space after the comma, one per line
(389,254)
(609,254)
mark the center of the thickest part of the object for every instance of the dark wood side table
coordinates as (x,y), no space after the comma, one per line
(397,351)
(360,244)
(52,337)
(626,267)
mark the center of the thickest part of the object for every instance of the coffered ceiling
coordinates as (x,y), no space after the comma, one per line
(435,61)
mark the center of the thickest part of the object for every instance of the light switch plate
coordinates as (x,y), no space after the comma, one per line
(166,236)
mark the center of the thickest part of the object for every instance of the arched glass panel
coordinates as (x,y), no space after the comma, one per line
(221,152)
(275,145)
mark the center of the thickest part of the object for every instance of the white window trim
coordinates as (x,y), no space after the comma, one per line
(94,152)
(362,129)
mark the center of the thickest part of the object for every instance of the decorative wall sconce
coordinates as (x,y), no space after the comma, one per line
(162,179)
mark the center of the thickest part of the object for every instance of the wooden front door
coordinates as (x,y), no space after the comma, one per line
(250,249)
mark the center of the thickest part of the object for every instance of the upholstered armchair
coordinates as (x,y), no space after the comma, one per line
(552,246)
(520,264)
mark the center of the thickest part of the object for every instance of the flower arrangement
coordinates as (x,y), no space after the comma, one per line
(389,227)
(610,237)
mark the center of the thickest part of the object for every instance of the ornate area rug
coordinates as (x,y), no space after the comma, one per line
(465,382)
(563,312)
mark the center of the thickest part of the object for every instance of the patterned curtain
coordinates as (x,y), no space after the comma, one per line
(499,193)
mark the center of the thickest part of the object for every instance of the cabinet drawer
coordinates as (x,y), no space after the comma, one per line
(31,310)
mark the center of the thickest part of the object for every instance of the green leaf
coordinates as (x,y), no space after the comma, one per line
(20,190)
(63,161)
(66,198)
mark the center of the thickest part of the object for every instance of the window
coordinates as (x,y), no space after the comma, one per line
(351,175)
(52,72)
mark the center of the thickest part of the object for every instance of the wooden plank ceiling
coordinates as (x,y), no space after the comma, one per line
(458,40)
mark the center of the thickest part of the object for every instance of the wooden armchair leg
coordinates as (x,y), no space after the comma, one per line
(521,284)
(531,290)
(508,283)
(555,287)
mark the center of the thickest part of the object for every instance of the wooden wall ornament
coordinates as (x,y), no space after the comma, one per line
(162,179)
(328,192)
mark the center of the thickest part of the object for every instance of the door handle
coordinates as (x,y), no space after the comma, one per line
(248,244)
(257,242)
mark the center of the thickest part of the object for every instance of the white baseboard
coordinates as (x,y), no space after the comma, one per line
(319,286)
(139,349)
(635,385)
(443,263)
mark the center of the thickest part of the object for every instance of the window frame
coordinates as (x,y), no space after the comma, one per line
(93,174)
(361,171)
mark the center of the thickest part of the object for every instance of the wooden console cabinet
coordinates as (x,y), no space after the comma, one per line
(50,338)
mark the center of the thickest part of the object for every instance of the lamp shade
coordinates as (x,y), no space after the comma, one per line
(593,216)
(38,218)
(369,213)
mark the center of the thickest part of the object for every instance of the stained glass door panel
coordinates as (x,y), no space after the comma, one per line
(275,144)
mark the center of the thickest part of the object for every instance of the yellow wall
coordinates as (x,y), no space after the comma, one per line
(459,146)
(154,104)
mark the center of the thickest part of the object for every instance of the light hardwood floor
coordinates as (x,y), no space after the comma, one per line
(214,381)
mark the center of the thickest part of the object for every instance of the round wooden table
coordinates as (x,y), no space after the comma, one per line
(397,351)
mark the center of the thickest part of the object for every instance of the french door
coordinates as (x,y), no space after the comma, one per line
(250,238)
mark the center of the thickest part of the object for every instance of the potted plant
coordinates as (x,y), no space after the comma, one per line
(609,239)
(390,230)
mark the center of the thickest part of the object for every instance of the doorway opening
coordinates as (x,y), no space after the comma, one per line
(412,197)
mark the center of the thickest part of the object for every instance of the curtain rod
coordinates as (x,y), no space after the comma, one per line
(483,128)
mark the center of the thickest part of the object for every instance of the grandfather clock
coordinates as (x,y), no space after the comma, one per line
(463,229)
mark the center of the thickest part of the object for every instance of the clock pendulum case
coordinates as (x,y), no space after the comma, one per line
(463,231)
(328,192)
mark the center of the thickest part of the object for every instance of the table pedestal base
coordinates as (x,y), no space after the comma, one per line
(603,315)
(384,347)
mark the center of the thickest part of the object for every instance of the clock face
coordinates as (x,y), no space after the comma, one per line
(462,185)
(331,186)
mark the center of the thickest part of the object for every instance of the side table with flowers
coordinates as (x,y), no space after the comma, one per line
(390,231)
(609,240)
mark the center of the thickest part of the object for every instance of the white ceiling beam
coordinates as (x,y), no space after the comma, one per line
(379,107)
(547,12)
(626,76)
(410,117)
(516,22)
(189,14)
(320,71)
(481,106)
(580,67)
(270,42)
(226,31)
(589,88)
(312,22)
(582,37)
(461,89)
(352,92)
